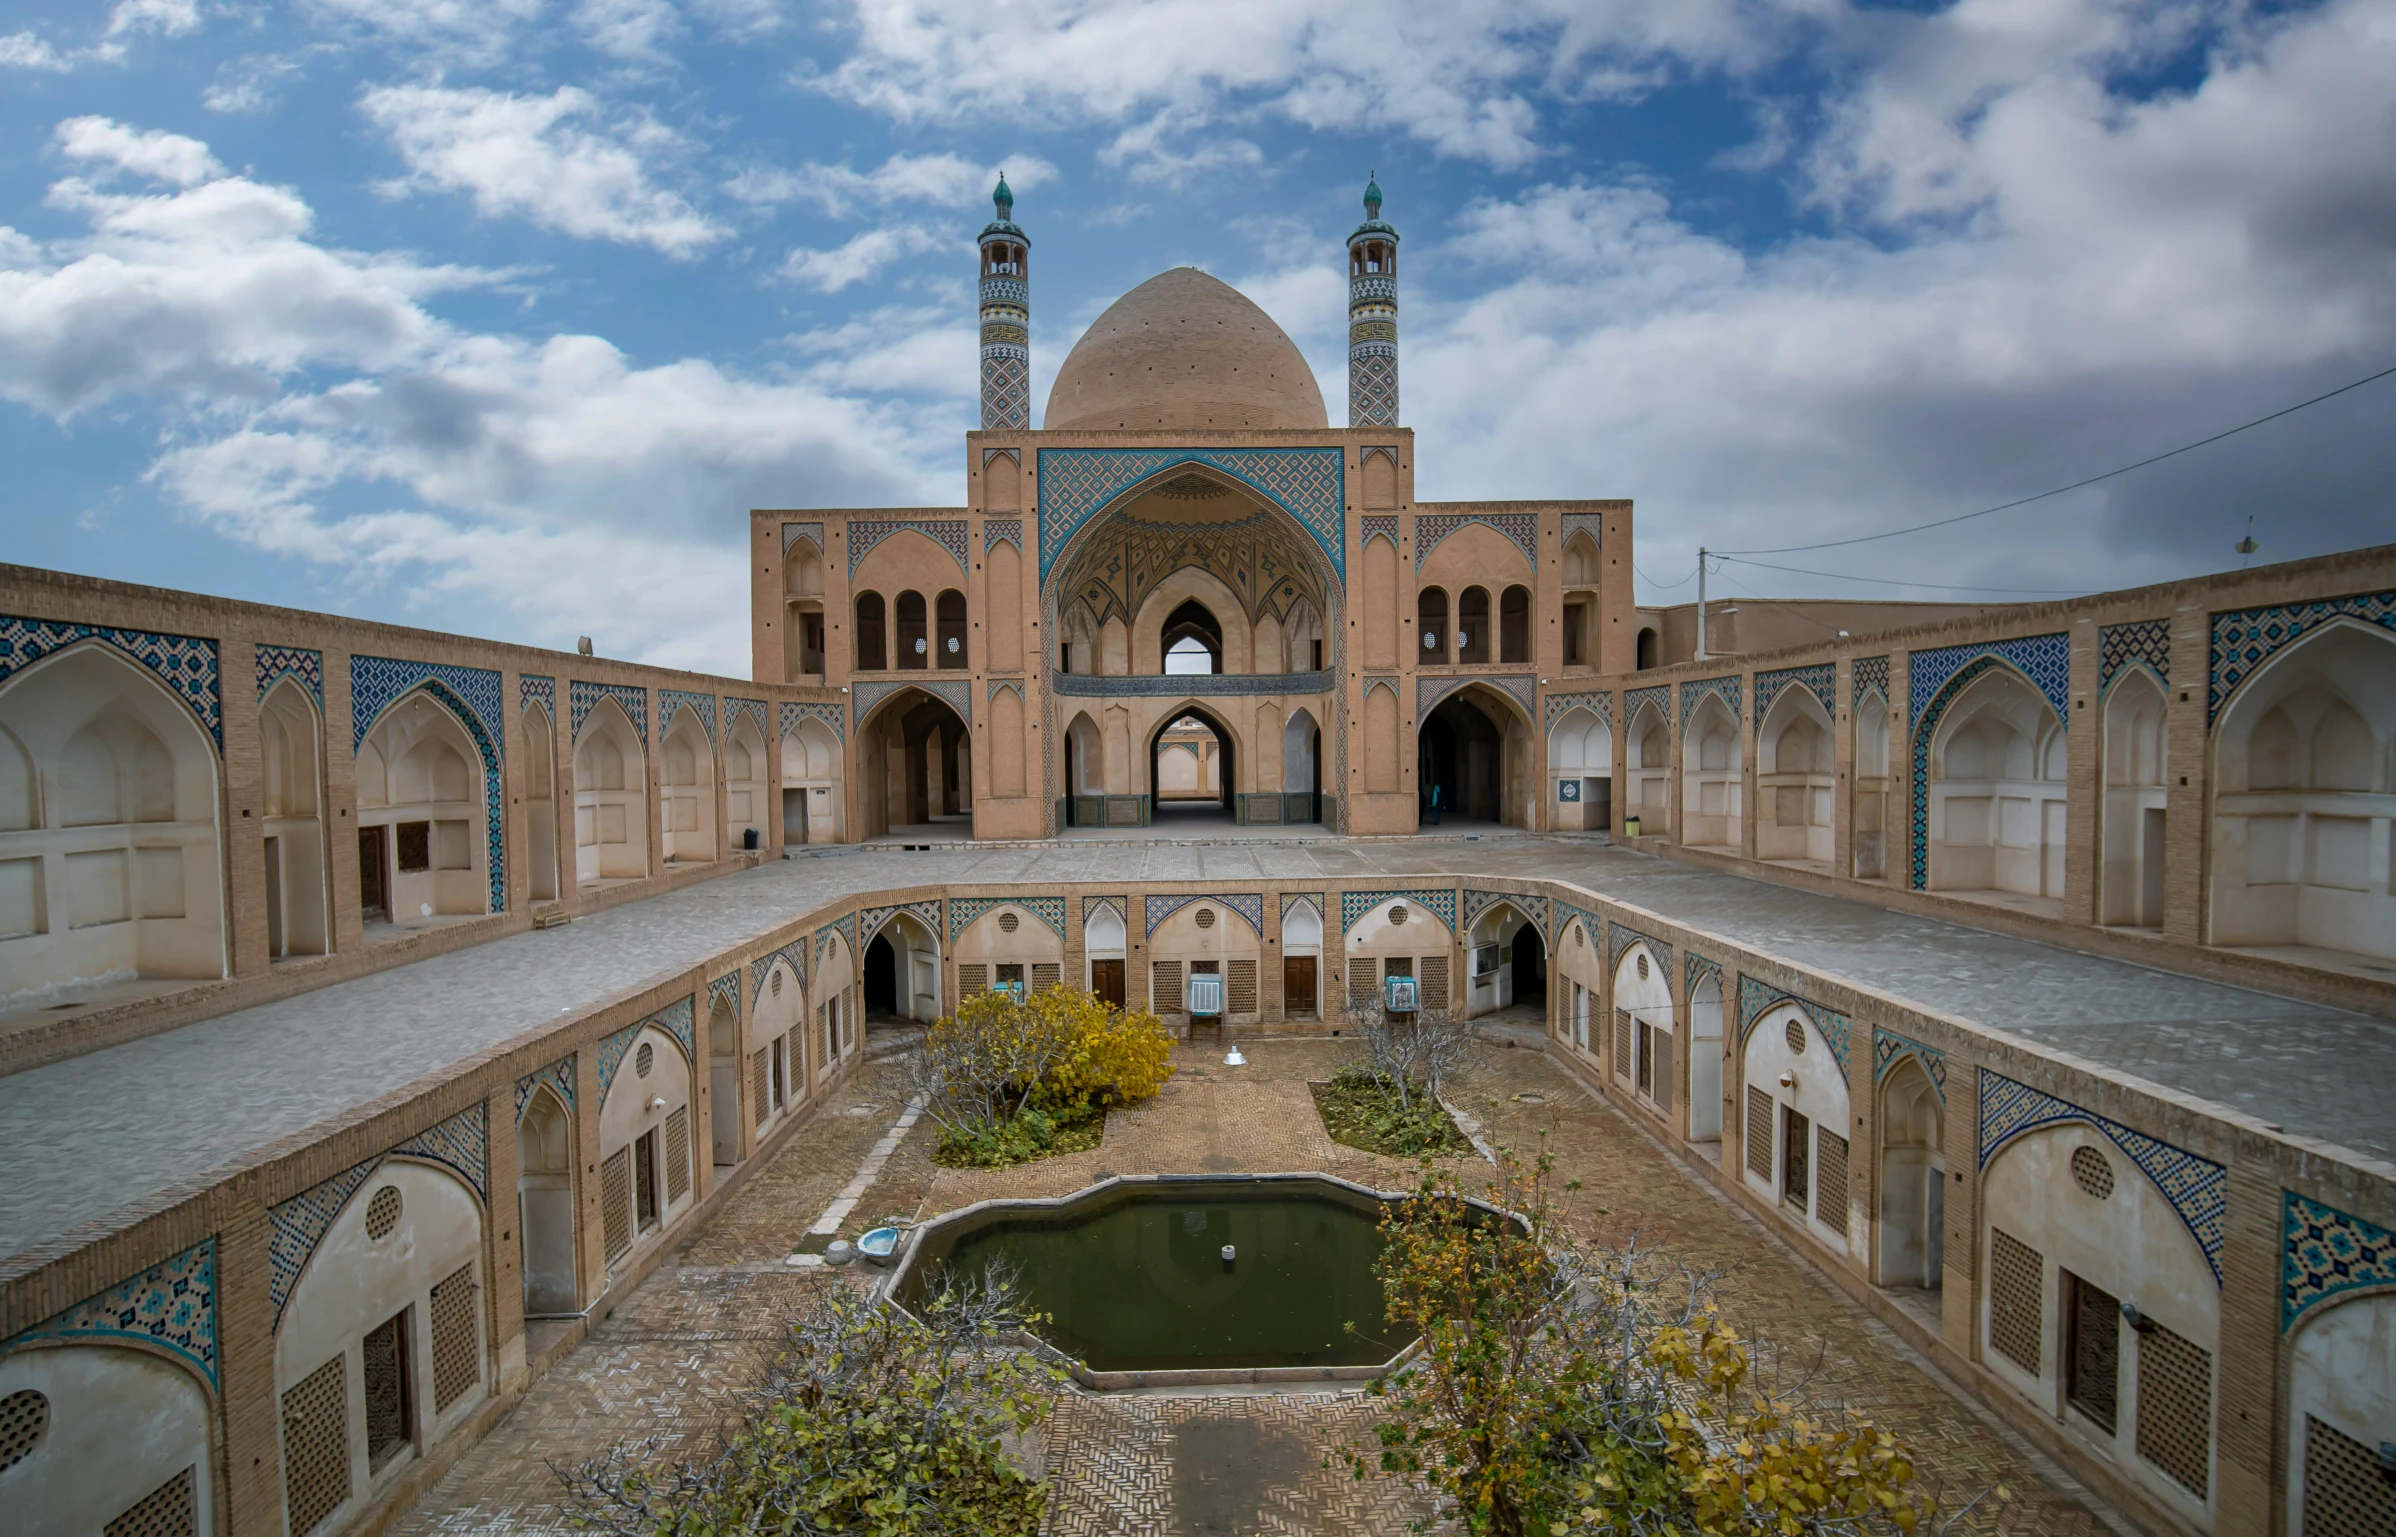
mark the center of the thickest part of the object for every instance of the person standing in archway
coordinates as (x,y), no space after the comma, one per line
(1434,803)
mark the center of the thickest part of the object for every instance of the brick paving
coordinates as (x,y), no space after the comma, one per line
(1172,1464)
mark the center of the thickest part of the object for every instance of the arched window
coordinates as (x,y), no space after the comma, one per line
(1192,639)
(1514,625)
(1647,650)
(1472,625)
(950,639)
(914,646)
(871,652)
(1431,615)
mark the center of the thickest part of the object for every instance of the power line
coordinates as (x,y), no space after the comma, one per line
(1965,517)
(1878,581)
(1654,585)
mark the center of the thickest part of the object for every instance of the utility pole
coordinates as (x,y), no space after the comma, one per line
(1701,603)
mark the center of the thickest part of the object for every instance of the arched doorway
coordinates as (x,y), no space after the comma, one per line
(1192,769)
(1996,794)
(1913,1178)
(422,853)
(1530,967)
(917,764)
(687,800)
(1473,751)
(545,1206)
(1796,775)
(1301,768)
(296,901)
(611,799)
(813,807)
(1711,813)
(1192,639)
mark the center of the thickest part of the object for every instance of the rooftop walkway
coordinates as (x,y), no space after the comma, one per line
(98,1141)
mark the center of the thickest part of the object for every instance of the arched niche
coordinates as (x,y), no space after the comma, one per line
(2130,879)
(1580,757)
(1192,604)
(144,1421)
(545,1206)
(686,800)
(1643,1026)
(1579,968)
(1301,768)
(1012,947)
(380,1352)
(1077,640)
(1712,767)
(1911,1232)
(2304,801)
(2341,1410)
(422,813)
(813,804)
(645,1150)
(1796,774)
(1399,936)
(110,856)
(1705,1055)
(1302,645)
(803,612)
(1505,960)
(1477,747)
(540,800)
(1872,787)
(746,805)
(902,970)
(611,803)
(836,1036)
(1997,790)
(915,764)
(1205,937)
(1302,970)
(723,1079)
(775,1044)
(291,822)
(1796,1120)
(1650,771)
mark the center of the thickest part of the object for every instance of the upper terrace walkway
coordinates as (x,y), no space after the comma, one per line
(98,1141)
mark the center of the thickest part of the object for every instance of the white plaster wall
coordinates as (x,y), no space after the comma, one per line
(835,977)
(1375,938)
(1871,787)
(1650,773)
(1796,774)
(1712,768)
(1580,747)
(773,1017)
(811,763)
(1997,791)
(2341,1370)
(138,1416)
(635,1104)
(1819,1093)
(1705,1060)
(1648,1000)
(1179,938)
(1576,959)
(611,804)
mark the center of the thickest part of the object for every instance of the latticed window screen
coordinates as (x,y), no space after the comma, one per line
(2175,1407)
(1361,989)
(1830,1178)
(678,1154)
(1758,1137)
(972,977)
(2016,1305)
(316,1446)
(1047,974)
(615,1202)
(457,1353)
(1239,987)
(1435,981)
(1165,994)
(1660,1047)
(757,1086)
(848,1016)
(2092,1358)
(387,1418)
(24,1420)
(170,1510)
(1622,1043)
(2345,1493)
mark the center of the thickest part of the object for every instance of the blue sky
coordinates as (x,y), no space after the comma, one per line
(497,315)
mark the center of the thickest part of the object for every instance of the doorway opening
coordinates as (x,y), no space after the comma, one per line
(1460,765)
(1191,771)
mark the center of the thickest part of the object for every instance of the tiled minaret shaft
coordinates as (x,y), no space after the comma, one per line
(1373,317)
(1006,317)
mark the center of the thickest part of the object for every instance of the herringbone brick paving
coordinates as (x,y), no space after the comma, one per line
(702,1327)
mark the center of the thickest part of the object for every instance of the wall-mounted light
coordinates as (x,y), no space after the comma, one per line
(1788,1081)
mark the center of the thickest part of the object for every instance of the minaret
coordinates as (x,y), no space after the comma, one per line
(1372,317)
(1006,317)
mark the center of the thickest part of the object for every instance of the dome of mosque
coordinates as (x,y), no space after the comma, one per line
(1184,350)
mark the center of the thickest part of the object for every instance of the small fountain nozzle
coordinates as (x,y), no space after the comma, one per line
(1230,1254)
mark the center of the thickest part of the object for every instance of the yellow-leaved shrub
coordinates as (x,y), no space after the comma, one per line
(1112,1056)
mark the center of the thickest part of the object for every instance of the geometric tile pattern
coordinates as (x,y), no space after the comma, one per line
(2328,1252)
(1249,905)
(870,921)
(1599,705)
(1006,385)
(460,1144)
(1372,386)
(1620,937)
(1076,484)
(2197,1187)
(2146,641)
(948,533)
(185,663)
(1564,914)
(675,1019)
(471,694)
(703,705)
(1377,525)
(1697,968)
(532,690)
(558,1076)
(1725,689)
(725,990)
(1523,686)
(793,955)
(792,533)
(2246,639)
(2043,659)
(1121,908)
(831,715)
(1888,1046)
(1354,905)
(1002,530)
(955,691)
(1817,681)
(583,698)
(1757,999)
(1591,523)
(757,712)
(962,911)
(171,1305)
(1640,698)
(611,1056)
(276,663)
(1871,672)
(1521,527)
(1478,902)
(843,927)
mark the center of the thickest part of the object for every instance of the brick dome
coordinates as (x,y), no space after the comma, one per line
(1184,350)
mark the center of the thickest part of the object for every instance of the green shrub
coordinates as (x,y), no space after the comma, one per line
(1009,1082)
(1362,1109)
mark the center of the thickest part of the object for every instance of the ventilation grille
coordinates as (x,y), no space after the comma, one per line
(170,1510)
(1397,914)
(1047,974)
(1165,996)
(1660,1048)
(457,1360)
(1435,981)
(643,1060)
(1239,987)
(615,1200)
(2345,1494)
(2016,1323)
(382,1213)
(386,1359)
(316,1446)
(1205,918)
(678,1154)
(1830,1179)
(2091,1173)
(2095,1359)
(1796,1034)
(972,977)
(1008,923)
(24,1420)
(757,1087)
(2175,1408)
(1361,993)
(1758,1138)
(1622,1043)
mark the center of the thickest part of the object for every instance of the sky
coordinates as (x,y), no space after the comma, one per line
(497,316)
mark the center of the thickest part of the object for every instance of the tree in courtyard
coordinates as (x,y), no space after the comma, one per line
(1003,1077)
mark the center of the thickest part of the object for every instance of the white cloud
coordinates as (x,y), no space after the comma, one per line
(170,17)
(25,50)
(250,84)
(533,157)
(460,31)
(160,156)
(861,257)
(635,31)
(943,179)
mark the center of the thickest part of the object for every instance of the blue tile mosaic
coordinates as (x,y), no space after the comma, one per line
(813,533)
(962,911)
(2328,1253)
(866,533)
(956,691)
(870,921)
(1724,689)
(757,713)
(1076,484)
(1353,905)
(1947,672)
(472,695)
(171,1306)
(1818,679)
(558,1076)
(1377,525)
(1659,696)
(1478,902)
(1599,705)
(1521,527)
(1621,936)
(1888,1048)
(1291,901)
(1871,673)
(1591,523)
(1696,968)
(1523,687)
(583,698)
(2142,643)
(1119,906)
(2197,1187)
(275,663)
(1249,905)
(724,990)
(460,1144)
(1756,999)
(795,711)
(1568,790)
(793,955)
(997,531)
(2244,640)
(612,1049)
(669,700)
(184,663)
(532,689)
(843,928)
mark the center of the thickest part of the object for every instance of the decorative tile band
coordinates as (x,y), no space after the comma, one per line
(948,533)
(675,1019)
(1076,484)
(1888,1047)
(844,928)
(1520,527)
(724,990)
(558,1076)
(669,700)
(1696,968)
(1378,525)
(795,711)
(963,910)
(792,533)
(1119,906)
(1620,937)
(532,690)
(1599,705)
(1091,685)
(2246,639)
(460,1144)
(1249,905)
(1724,689)
(472,695)
(1353,905)
(186,664)
(1291,901)
(611,1057)
(2043,659)
(793,955)
(1591,523)
(997,531)
(755,712)
(275,663)
(1819,679)
(956,692)
(2197,1187)
(1660,696)
(926,912)
(582,698)
(1523,687)
(1756,999)
(1871,672)
(2327,1253)
(1533,909)
(171,1305)
(2143,642)
(990,690)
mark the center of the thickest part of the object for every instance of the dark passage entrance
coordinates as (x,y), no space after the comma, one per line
(1530,967)
(1463,754)
(881,977)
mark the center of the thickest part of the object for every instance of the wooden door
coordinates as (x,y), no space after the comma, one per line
(1106,980)
(374,894)
(1297,987)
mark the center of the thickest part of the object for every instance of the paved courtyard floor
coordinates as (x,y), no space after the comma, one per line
(674,1356)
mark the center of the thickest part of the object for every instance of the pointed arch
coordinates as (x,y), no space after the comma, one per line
(1796,767)
(292,841)
(545,1133)
(611,800)
(1991,786)
(687,789)
(1713,814)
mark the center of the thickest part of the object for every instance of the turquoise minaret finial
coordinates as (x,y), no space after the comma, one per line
(1372,194)
(1006,317)
(1006,199)
(1373,316)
